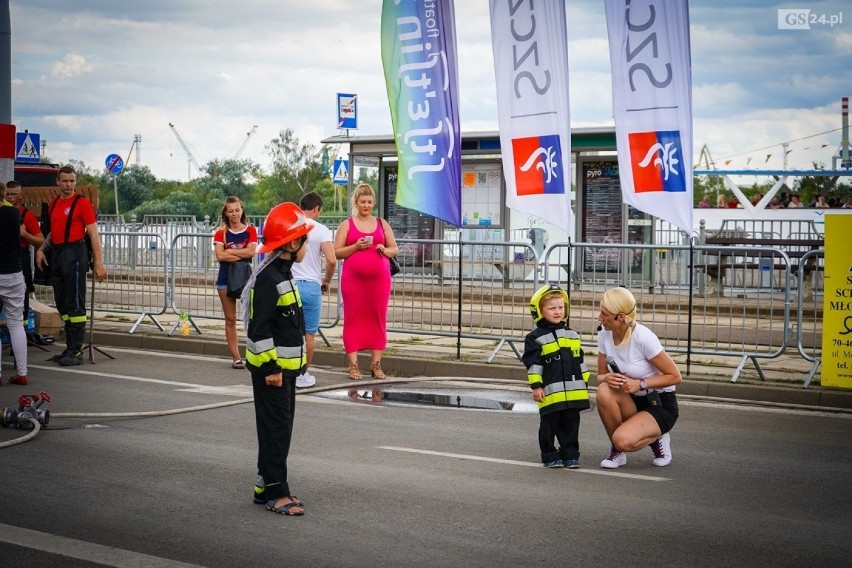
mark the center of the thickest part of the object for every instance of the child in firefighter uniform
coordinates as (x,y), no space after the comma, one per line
(275,351)
(557,376)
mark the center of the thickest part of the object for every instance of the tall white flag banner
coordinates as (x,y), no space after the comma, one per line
(652,101)
(530,45)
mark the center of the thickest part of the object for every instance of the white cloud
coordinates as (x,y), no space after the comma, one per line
(216,72)
(71,65)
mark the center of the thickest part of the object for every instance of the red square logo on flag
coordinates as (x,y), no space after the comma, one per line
(537,165)
(656,161)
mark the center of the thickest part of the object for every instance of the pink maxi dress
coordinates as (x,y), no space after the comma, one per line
(365,284)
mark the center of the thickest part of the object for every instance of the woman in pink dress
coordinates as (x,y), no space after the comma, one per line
(366,243)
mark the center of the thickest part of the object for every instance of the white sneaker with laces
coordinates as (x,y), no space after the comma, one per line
(662,450)
(305,380)
(615,460)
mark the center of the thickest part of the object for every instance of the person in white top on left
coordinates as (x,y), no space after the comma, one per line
(311,280)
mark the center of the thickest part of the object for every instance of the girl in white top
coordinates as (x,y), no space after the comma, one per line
(636,402)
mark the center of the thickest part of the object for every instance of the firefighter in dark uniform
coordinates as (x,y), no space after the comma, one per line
(558,377)
(71,218)
(275,351)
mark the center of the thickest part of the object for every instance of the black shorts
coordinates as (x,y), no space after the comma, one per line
(665,413)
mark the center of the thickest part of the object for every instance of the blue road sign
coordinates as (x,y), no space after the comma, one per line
(27,147)
(341,171)
(114,164)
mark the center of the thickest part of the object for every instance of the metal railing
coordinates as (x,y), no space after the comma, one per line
(481,290)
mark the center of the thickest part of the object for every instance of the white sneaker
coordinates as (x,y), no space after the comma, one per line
(615,460)
(305,380)
(662,450)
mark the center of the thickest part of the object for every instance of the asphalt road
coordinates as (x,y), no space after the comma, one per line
(391,485)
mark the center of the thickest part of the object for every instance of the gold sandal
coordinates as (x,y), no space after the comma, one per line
(376,370)
(354,372)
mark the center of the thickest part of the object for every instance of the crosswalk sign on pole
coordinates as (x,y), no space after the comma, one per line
(27,148)
(341,171)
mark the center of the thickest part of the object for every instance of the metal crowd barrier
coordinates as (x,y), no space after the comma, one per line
(136,277)
(481,290)
(809,318)
(192,284)
(464,289)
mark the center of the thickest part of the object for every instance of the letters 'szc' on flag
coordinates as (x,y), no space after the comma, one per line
(529,40)
(652,102)
(421,74)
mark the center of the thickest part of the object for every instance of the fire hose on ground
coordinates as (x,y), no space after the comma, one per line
(30,414)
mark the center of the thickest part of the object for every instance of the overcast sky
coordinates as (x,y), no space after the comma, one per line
(88,75)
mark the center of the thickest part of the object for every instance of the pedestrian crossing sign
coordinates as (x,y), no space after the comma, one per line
(27,147)
(341,171)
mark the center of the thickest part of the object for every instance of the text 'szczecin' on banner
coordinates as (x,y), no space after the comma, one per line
(837,303)
(530,43)
(421,75)
(652,101)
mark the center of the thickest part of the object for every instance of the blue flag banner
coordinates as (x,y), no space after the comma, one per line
(421,74)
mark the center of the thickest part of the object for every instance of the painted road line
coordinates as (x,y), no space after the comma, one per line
(522,463)
(82,550)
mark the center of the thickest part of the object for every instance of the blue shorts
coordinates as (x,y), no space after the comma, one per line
(311,294)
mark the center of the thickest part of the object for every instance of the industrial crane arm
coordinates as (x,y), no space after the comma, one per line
(186,149)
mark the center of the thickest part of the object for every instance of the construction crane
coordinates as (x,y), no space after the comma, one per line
(137,143)
(242,147)
(190,159)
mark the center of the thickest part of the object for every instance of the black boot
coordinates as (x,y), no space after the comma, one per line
(74,355)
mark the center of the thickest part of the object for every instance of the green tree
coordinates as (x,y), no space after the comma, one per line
(297,165)
(180,202)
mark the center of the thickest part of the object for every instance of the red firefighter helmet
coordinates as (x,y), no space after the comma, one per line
(285,223)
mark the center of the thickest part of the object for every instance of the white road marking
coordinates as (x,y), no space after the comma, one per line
(230,390)
(754,406)
(523,463)
(82,550)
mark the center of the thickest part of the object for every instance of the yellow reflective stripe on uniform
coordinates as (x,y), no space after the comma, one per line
(287,300)
(259,358)
(564,396)
(293,363)
(288,294)
(285,363)
(549,348)
(564,386)
(74,319)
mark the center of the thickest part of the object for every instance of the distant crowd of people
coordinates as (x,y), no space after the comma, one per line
(780,201)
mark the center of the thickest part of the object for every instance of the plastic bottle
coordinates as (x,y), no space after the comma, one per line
(184,323)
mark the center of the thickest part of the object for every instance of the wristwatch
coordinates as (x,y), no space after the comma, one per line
(643,384)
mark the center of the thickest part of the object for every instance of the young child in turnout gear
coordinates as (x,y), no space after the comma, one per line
(275,351)
(557,376)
